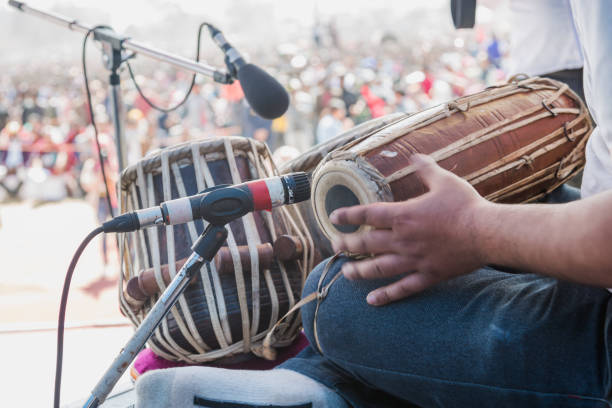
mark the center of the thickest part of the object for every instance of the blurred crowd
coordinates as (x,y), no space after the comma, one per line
(47,149)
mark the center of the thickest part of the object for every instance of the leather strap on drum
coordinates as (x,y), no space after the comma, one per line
(266,350)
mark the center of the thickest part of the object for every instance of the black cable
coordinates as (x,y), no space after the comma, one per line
(193,78)
(147,100)
(62,314)
(95,232)
(93,120)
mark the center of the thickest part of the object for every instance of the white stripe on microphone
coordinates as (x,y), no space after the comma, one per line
(276,190)
(179,211)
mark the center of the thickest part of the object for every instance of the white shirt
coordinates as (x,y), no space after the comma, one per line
(593,21)
(543,37)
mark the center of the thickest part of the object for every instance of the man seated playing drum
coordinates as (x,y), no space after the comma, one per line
(425,321)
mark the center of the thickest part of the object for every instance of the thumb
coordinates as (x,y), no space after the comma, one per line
(427,169)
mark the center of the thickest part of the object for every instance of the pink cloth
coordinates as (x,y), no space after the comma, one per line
(147,360)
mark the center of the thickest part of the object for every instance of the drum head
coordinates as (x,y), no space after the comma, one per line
(345,183)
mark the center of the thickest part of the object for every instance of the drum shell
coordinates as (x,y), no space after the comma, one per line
(514,143)
(170,174)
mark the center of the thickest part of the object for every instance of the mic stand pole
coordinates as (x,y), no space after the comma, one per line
(204,250)
(219,207)
(113,55)
(115,44)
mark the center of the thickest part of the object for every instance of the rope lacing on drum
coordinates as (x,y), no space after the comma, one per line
(322,291)
(265,349)
(454,105)
(527,160)
(526,87)
(569,133)
(518,78)
(549,109)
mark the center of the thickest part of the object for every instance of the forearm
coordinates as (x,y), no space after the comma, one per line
(569,241)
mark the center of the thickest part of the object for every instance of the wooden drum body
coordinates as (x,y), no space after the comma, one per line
(233,302)
(514,143)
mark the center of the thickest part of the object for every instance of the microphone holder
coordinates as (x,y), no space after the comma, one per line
(115,46)
(204,250)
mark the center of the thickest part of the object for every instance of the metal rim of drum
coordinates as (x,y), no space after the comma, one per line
(335,177)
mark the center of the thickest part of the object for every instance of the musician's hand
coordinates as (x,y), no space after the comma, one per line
(430,237)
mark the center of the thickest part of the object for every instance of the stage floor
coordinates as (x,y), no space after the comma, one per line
(36,244)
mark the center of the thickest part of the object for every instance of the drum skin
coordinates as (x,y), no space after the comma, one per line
(514,143)
(311,158)
(220,310)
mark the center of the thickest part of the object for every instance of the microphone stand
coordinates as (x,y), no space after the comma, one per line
(204,250)
(115,46)
(219,207)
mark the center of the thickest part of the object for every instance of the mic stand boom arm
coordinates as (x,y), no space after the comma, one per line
(127,43)
(114,46)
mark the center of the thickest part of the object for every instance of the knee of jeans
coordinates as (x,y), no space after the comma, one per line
(310,286)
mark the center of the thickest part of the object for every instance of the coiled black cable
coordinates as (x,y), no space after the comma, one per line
(193,78)
(62,314)
(93,119)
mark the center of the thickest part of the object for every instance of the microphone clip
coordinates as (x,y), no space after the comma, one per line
(232,71)
(223,205)
(233,59)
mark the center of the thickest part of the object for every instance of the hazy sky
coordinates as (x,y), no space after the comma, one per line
(137,12)
(170,24)
(251,25)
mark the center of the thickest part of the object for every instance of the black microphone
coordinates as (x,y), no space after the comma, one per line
(218,205)
(265,94)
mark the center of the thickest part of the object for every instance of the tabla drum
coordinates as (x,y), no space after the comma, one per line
(514,143)
(309,160)
(234,301)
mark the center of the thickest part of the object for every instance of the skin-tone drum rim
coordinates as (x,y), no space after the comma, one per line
(361,178)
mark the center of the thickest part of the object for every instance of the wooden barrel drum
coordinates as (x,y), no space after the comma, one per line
(231,304)
(514,143)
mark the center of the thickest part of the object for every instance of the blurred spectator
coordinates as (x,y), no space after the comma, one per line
(11,173)
(284,154)
(332,121)
(493,52)
(334,83)
(256,127)
(279,128)
(94,184)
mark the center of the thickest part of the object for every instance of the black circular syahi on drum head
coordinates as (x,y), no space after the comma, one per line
(340,196)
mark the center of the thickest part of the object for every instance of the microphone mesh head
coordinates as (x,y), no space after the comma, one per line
(300,184)
(265,94)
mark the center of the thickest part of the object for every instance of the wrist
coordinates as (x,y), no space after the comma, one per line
(483,218)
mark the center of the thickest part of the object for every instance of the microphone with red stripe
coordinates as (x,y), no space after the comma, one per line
(218,205)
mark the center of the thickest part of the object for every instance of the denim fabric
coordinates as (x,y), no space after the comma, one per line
(563,194)
(487,339)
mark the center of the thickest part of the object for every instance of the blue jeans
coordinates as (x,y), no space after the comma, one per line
(487,339)
(490,339)
(563,194)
